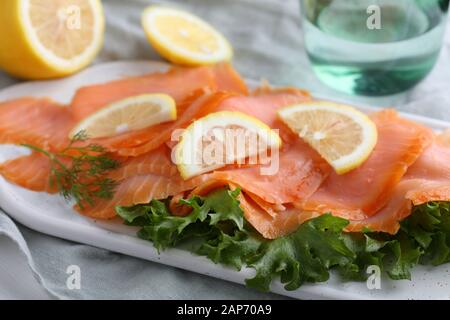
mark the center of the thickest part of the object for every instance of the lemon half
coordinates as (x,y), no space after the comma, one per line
(42,39)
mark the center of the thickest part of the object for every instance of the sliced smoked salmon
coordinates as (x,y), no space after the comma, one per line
(263,104)
(276,223)
(179,82)
(157,162)
(367,189)
(409,165)
(428,179)
(31,172)
(227,79)
(299,174)
(269,226)
(141,189)
(40,122)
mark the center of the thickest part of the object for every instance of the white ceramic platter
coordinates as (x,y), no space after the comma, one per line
(51,215)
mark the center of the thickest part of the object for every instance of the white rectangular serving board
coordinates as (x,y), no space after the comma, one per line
(50,214)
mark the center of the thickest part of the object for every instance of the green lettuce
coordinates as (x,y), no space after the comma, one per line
(305,255)
(217,229)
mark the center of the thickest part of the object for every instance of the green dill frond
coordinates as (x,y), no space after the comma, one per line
(79,172)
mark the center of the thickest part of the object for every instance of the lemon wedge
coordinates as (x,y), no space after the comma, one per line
(133,113)
(342,135)
(222,138)
(42,39)
(183,38)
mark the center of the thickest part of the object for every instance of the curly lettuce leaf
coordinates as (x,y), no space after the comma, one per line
(368,252)
(220,205)
(429,229)
(231,250)
(424,238)
(306,255)
(166,230)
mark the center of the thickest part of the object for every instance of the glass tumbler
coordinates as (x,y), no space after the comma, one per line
(373,47)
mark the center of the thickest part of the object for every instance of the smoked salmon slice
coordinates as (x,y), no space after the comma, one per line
(300,173)
(367,189)
(40,122)
(179,82)
(31,172)
(157,162)
(227,79)
(268,225)
(141,189)
(428,179)
(263,104)
(138,138)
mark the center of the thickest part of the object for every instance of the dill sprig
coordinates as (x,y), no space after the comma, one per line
(78,172)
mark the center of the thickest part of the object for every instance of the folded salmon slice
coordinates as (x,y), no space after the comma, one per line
(157,162)
(367,189)
(40,122)
(141,179)
(179,82)
(428,179)
(269,226)
(227,79)
(300,173)
(46,124)
(141,189)
(153,135)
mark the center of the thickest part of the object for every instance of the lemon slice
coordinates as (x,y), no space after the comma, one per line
(342,135)
(130,114)
(45,39)
(183,38)
(223,138)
